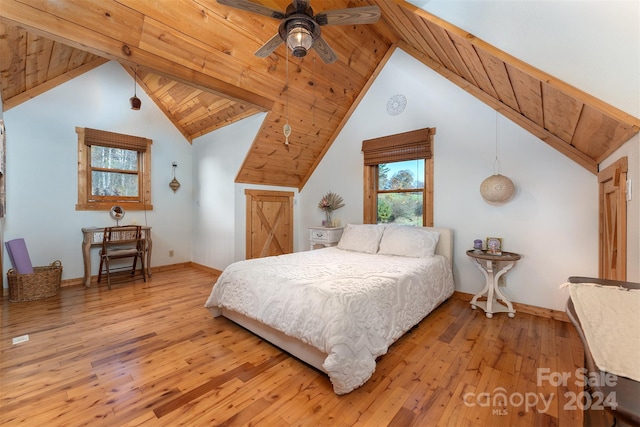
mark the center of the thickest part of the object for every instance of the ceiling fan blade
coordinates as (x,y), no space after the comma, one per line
(324,51)
(354,15)
(269,46)
(253,7)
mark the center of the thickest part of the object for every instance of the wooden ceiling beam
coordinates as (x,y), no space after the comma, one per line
(50,84)
(572,91)
(577,124)
(535,129)
(119,45)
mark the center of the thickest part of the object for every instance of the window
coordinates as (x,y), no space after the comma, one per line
(400,192)
(113,168)
(398,178)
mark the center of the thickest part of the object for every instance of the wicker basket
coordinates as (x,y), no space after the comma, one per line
(44,282)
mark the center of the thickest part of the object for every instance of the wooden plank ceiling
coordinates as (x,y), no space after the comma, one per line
(195,59)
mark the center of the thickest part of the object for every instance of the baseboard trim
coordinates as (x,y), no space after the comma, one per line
(523,308)
(205,268)
(94,279)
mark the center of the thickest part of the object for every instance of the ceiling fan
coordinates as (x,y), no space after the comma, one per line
(300,29)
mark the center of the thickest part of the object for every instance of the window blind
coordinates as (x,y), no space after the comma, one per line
(411,145)
(115,140)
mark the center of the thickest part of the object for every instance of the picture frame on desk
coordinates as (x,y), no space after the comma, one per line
(494,245)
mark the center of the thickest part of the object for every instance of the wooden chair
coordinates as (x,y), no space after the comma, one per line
(122,242)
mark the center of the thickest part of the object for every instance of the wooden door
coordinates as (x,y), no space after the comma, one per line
(613,221)
(269,223)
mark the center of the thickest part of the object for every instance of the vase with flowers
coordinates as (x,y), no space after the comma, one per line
(329,203)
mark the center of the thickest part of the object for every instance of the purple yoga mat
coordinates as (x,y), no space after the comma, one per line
(19,256)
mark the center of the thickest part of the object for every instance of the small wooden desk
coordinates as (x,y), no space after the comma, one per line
(92,236)
(491,288)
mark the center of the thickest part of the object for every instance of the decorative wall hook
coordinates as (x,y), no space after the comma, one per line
(174,184)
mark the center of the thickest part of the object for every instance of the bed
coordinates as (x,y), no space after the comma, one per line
(339,308)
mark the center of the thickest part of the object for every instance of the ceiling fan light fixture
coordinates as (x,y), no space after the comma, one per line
(299,28)
(299,39)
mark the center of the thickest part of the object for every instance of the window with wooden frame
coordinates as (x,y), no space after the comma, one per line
(113,169)
(398,178)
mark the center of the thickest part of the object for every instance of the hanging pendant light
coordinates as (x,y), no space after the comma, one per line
(135,101)
(497,188)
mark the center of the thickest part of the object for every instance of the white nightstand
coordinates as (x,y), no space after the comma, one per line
(324,236)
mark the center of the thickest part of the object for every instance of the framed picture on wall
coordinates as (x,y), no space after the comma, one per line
(494,245)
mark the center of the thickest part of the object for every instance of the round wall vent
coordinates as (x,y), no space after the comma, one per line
(396,104)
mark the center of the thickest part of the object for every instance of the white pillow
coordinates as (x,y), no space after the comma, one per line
(361,237)
(410,241)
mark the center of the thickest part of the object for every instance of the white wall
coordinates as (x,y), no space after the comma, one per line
(42,170)
(540,222)
(219,203)
(553,218)
(593,45)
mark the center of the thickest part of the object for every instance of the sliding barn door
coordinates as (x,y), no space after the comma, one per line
(269,223)
(613,221)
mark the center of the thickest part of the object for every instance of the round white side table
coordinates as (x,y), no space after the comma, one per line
(487,263)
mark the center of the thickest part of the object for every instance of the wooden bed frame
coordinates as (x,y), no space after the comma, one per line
(301,350)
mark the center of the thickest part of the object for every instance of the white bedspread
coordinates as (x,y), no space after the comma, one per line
(349,305)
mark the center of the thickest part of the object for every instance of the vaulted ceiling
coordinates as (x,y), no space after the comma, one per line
(195,59)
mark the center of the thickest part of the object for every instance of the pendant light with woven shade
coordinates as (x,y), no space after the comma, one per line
(497,188)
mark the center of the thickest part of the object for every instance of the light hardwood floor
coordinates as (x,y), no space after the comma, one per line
(150,354)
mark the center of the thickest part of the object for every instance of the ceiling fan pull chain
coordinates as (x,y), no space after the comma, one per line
(287,132)
(314,91)
(286,129)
